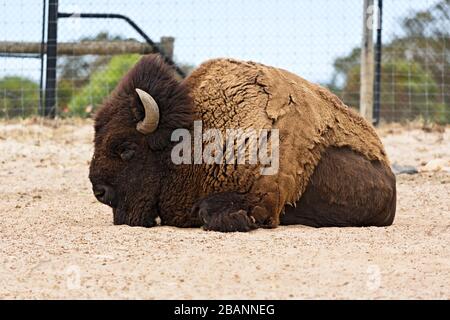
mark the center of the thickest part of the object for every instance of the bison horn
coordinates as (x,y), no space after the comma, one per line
(151,119)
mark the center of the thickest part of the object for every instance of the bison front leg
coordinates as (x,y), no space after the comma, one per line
(227,212)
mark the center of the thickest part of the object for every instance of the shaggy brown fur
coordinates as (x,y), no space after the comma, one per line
(225,93)
(229,93)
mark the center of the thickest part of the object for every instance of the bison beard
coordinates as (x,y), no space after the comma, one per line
(333,170)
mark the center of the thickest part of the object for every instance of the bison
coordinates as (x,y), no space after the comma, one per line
(332,169)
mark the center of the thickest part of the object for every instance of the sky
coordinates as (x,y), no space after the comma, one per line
(303,36)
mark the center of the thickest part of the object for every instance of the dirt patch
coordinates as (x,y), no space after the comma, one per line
(57,241)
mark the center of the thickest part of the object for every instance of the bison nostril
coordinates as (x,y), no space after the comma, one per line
(105,194)
(99,193)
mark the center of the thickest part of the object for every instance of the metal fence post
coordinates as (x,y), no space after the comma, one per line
(41,55)
(377,86)
(366,89)
(50,79)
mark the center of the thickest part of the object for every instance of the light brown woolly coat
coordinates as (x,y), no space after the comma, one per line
(235,94)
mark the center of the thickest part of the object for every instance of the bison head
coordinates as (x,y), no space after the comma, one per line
(132,140)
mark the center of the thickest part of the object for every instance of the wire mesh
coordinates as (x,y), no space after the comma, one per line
(319,40)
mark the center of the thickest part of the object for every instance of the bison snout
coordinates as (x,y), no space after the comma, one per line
(105,194)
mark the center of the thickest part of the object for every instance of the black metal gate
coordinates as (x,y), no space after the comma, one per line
(53,15)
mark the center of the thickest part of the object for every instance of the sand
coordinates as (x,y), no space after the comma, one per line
(58,242)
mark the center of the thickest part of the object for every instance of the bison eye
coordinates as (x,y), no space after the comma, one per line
(125,150)
(127,154)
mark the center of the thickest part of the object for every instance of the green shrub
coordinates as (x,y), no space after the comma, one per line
(19,97)
(440,113)
(408,91)
(100,85)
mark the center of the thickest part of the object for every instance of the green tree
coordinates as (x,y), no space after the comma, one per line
(19,97)
(100,84)
(75,71)
(407,92)
(78,91)
(415,69)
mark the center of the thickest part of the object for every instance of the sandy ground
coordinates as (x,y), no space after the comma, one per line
(57,241)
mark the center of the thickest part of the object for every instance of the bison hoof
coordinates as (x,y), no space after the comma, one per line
(225,212)
(236,221)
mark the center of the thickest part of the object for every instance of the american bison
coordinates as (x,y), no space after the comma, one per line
(331,168)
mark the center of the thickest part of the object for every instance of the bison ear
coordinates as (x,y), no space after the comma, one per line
(151,118)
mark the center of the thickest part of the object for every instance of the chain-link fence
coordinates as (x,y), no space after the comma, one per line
(319,40)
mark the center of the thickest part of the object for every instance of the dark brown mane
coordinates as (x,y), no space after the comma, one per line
(154,76)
